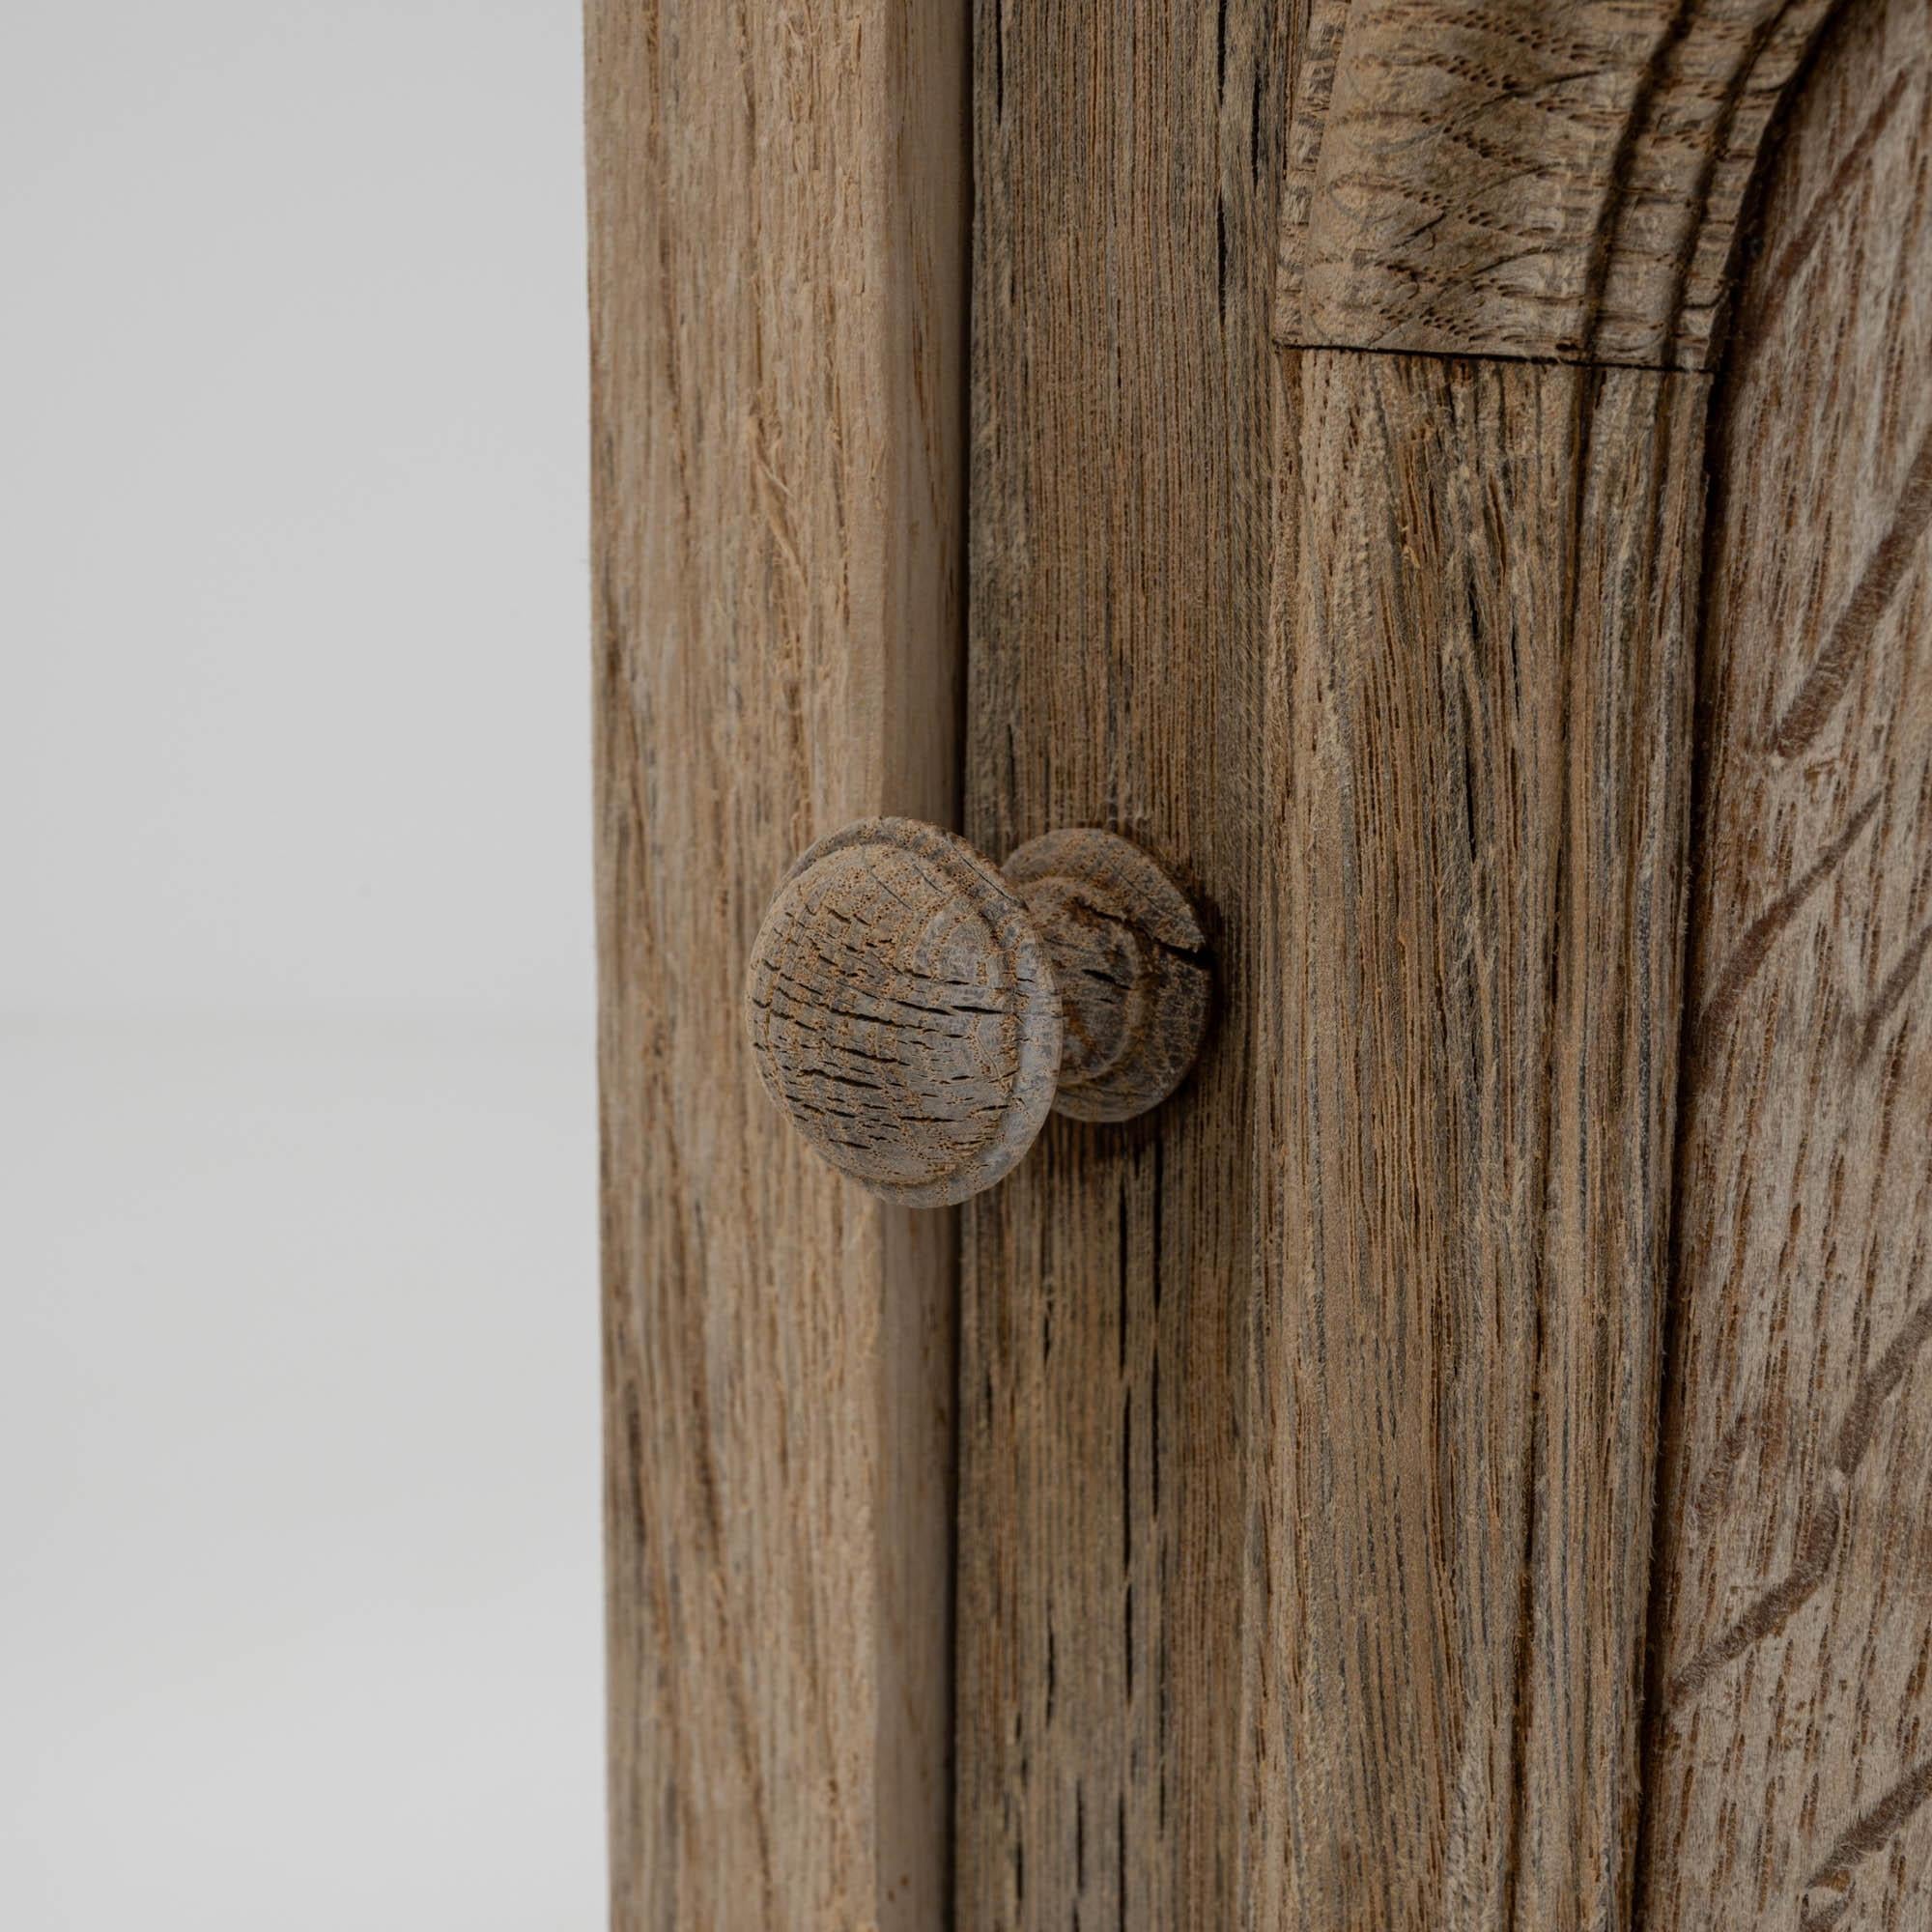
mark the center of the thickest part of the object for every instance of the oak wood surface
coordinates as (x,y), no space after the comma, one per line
(777,260)
(1127,163)
(1790,1771)
(1304,1563)
(1477,788)
(1518,178)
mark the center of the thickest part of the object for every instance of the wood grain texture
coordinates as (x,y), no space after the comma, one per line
(1514,177)
(1790,1776)
(1476,784)
(776,244)
(1127,162)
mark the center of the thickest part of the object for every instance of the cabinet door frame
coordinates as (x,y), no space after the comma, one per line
(1334,431)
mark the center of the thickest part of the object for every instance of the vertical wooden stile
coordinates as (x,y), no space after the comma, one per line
(778,226)
(1127,162)
(1495,373)
(1478,757)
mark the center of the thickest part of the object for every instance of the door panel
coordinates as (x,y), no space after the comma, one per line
(1362,1642)
(1790,1775)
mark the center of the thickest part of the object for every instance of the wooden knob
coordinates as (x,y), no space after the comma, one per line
(916,1013)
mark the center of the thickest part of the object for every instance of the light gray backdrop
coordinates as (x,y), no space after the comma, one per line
(299,1610)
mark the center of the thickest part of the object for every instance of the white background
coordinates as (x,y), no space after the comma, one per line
(299,1605)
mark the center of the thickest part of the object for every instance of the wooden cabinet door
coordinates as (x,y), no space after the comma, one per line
(1450,480)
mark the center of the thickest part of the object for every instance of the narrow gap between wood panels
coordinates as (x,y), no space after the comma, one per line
(1670,1403)
(1493,356)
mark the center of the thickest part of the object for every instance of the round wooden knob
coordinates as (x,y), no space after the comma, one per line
(916,1013)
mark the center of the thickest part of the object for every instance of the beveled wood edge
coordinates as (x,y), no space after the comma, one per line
(1596,218)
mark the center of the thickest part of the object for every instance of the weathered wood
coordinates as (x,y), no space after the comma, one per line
(1476,785)
(1477,758)
(1132,965)
(908,1004)
(1127,162)
(1515,177)
(1790,1770)
(776,244)
(904,1011)
(1406,1563)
